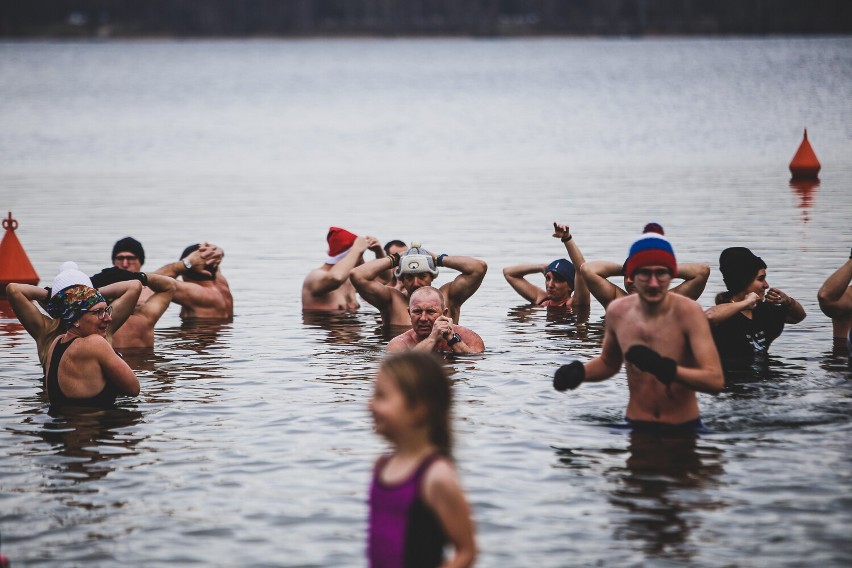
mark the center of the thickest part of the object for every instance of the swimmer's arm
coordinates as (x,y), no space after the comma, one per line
(398,343)
(124,296)
(514,275)
(324,282)
(581,295)
(595,274)
(835,295)
(443,493)
(707,375)
(365,280)
(164,289)
(608,363)
(21,298)
(197,258)
(465,284)
(114,368)
(694,277)
(725,311)
(471,343)
(192,296)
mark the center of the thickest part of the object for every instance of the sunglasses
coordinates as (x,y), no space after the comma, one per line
(127,257)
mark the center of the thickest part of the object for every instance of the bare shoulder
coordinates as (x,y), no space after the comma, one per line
(621,306)
(402,341)
(686,306)
(441,476)
(96,344)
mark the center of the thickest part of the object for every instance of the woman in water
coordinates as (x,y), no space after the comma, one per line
(750,315)
(416,501)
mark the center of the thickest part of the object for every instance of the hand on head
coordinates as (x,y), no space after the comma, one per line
(374,245)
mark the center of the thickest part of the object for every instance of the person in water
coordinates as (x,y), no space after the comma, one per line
(665,339)
(44,329)
(128,256)
(595,274)
(328,288)
(81,367)
(750,315)
(203,292)
(398,248)
(432,329)
(835,301)
(416,268)
(562,287)
(416,503)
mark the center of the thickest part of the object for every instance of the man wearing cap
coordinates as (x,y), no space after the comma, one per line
(665,339)
(416,268)
(327,288)
(203,292)
(595,274)
(432,329)
(562,288)
(835,301)
(128,256)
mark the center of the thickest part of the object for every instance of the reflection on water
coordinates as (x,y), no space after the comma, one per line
(659,492)
(805,190)
(86,445)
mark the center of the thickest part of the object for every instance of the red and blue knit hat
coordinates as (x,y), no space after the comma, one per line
(651,249)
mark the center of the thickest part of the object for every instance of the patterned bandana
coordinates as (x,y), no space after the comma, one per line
(72,303)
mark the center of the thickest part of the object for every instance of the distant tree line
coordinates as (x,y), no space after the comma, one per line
(246,18)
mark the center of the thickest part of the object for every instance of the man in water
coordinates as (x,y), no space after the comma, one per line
(415,269)
(596,272)
(835,301)
(203,292)
(562,288)
(432,329)
(394,247)
(327,288)
(665,339)
(128,256)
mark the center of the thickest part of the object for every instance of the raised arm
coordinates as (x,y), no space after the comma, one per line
(124,296)
(835,295)
(694,277)
(706,376)
(725,311)
(465,284)
(581,296)
(595,274)
(155,306)
(21,298)
(365,278)
(514,275)
(321,282)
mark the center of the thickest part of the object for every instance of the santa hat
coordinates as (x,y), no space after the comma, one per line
(339,243)
(651,249)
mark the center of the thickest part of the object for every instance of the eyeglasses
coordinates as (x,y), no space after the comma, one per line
(127,257)
(102,313)
(644,274)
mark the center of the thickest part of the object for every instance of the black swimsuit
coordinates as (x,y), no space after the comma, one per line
(104,399)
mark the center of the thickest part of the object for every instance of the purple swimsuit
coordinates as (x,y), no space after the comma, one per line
(403,530)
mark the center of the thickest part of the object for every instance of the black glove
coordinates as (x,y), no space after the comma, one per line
(569,376)
(114,274)
(652,362)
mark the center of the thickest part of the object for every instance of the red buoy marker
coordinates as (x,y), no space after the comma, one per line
(804,164)
(15,266)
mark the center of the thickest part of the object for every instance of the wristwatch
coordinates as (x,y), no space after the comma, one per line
(186,263)
(454,339)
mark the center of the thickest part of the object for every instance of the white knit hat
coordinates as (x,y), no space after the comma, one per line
(69,275)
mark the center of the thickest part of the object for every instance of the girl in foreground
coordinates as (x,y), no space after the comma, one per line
(416,501)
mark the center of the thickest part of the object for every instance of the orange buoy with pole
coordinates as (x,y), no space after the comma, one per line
(15,265)
(804,164)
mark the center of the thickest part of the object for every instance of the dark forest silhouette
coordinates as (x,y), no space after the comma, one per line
(259,18)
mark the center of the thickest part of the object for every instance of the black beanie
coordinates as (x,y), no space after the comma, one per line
(129,244)
(739,266)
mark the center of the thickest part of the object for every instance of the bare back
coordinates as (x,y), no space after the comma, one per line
(209,299)
(342,298)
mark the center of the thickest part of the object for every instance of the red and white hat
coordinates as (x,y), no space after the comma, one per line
(339,243)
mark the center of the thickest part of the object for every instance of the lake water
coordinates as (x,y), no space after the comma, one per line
(251,445)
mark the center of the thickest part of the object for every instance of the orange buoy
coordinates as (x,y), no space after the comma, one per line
(15,266)
(804,164)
